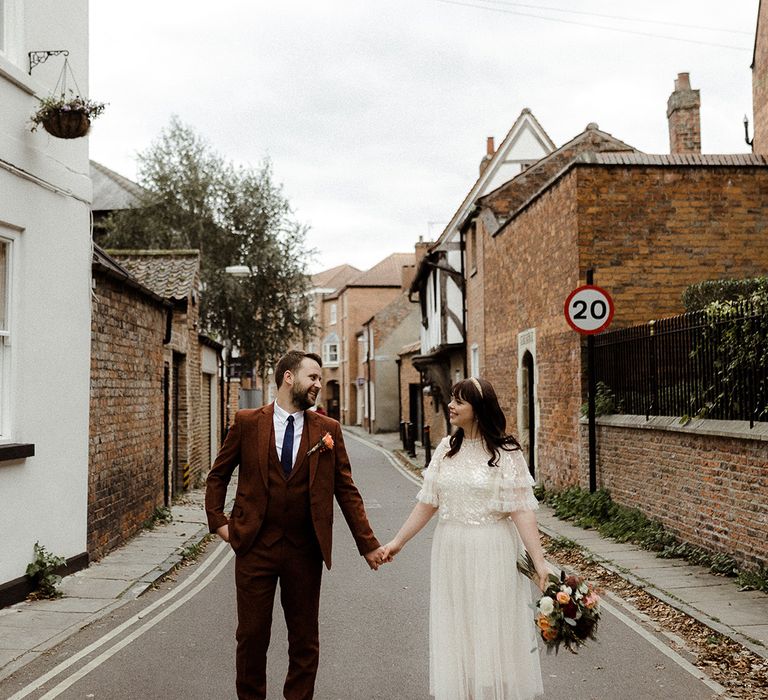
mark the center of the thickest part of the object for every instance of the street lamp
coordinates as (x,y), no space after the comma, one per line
(239,270)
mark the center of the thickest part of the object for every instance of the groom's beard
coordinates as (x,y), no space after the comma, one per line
(303,398)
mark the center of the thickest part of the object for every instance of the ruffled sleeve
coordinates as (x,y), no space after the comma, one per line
(513,484)
(428,493)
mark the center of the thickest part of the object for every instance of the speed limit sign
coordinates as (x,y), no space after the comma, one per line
(589,309)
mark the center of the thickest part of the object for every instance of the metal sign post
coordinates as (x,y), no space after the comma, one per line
(589,310)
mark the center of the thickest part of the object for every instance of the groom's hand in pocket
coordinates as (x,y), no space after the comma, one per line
(223,532)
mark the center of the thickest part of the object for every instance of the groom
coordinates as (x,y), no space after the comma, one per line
(282,522)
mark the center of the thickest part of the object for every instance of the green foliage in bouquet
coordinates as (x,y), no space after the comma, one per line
(567,612)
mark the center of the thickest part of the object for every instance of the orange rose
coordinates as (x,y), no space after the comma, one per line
(324,443)
(549,634)
(543,622)
(563,598)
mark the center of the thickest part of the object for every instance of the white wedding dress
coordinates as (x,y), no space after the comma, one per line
(482,637)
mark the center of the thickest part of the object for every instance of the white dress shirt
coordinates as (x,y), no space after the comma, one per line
(280,419)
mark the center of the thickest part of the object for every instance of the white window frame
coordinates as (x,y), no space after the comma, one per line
(474,361)
(11,31)
(332,320)
(331,351)
(6,337)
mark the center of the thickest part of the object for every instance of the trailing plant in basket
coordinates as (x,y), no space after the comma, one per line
(41,571)
(52,107)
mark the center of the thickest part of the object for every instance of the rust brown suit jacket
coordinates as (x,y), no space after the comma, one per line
(247,444)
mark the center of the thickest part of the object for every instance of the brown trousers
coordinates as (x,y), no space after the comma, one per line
(299,570)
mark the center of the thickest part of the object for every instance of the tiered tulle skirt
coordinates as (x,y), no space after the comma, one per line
(482,635)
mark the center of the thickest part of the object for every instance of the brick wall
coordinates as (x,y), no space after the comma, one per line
(649,232)
(760,83)
(125,478)
(529,269)
(709,491)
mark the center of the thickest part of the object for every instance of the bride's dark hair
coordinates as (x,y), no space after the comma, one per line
(491,422)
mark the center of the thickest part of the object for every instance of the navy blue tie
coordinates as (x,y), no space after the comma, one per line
(286,454)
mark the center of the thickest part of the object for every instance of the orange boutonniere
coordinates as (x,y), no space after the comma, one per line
(323,444)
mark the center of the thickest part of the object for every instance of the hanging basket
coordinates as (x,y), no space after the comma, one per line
(71,124)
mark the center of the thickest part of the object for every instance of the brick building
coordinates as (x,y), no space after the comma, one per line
(126,477)
(450,267)
(383,336)
(648,226)
(344,312)
(760,80)
(190,362)
(326,341)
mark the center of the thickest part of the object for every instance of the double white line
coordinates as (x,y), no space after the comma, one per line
(216,562)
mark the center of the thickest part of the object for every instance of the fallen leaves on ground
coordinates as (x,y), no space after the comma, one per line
(742,672)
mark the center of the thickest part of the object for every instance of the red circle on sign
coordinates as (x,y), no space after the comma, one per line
(588,291)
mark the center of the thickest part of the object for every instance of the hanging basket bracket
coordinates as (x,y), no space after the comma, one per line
(38,57)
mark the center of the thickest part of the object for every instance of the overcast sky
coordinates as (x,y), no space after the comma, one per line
(375,115)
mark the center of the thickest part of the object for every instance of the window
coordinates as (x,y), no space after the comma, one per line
(333,314)
(5,336)
(331,350)
(475,361)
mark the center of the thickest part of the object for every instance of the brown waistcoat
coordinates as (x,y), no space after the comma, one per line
(288,513)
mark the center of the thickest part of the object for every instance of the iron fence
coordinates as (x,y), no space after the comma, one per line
(702,364)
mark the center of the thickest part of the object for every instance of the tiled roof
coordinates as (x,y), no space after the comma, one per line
(511,195)
(408,349)
(336,277)
(169,273)
(674,159)
(101,259)
(112,191)
(387,273)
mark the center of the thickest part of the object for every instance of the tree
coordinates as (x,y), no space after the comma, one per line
(233,216)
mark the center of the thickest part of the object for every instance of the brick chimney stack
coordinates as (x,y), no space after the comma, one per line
(490,149)
(683,115)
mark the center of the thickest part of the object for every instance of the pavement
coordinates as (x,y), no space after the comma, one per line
(30,628)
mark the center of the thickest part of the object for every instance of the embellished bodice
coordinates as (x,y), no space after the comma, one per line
(467,490)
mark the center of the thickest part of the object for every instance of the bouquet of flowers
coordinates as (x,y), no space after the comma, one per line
(567,612)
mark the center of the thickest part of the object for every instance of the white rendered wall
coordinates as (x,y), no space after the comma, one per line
(44,498)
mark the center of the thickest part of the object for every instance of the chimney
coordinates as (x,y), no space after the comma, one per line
(490,149)
(683,115)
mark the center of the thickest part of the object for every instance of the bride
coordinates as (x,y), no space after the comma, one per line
(482,637)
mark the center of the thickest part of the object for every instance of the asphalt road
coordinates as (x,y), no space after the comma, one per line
(373,626)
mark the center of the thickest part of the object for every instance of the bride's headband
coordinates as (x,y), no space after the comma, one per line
(477,385)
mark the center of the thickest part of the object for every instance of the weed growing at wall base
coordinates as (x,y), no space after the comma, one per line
(42,573)
(598,511)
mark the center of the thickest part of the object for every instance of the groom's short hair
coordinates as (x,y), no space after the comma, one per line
(291,361)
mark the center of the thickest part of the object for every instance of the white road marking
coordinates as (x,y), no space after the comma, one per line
(408,475)
(64,665)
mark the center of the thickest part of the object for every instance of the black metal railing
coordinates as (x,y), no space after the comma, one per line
(701,364)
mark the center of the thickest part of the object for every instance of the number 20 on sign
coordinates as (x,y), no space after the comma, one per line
(589,309)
